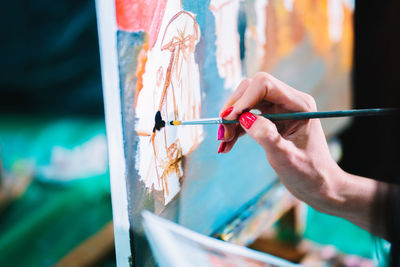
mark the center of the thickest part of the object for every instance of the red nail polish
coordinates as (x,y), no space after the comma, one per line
(247,119)
(221,147)
(226,112)
(221,132)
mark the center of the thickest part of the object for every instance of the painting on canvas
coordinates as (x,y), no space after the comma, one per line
(180,60)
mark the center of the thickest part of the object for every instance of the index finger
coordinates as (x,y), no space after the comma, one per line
(265,87)
(236,95)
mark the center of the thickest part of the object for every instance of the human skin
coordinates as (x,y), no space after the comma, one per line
(298,150)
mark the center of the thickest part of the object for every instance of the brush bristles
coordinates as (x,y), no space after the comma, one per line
(175,123)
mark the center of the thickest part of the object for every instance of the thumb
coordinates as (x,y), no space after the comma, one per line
(264,132)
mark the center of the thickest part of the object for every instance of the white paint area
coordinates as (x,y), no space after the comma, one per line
(335,19)
(228,41)
(260,6)
(350,4)
(288,5)
(159,162)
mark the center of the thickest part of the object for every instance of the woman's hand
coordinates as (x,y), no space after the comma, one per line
(297,149)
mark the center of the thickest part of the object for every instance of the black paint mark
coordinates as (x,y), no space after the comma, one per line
(159,123)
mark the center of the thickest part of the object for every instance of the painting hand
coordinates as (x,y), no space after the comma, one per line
(297,150)
(229,133)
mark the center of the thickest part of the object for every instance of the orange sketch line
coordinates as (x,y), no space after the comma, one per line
(167,80)
(172,45)
(140,69)
(177,15)
(216,8)
(173,98)
(155,157)
(139,133)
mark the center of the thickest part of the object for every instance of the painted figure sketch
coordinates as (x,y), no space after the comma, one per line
(170,85)
(166,60)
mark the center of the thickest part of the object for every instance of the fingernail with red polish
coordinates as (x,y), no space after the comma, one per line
(221,132)
(247,119)
(226,112)
(221,147)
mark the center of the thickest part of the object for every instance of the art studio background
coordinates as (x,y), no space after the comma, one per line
(55,200)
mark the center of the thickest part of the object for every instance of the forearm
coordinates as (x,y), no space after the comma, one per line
(356,199)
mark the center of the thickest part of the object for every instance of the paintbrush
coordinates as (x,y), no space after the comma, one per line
(299,116)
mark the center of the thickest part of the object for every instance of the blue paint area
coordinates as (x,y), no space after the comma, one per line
(242,25)
(216,186)
(128,43)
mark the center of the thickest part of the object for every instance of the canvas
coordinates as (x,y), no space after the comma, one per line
(181,59)
(174,245)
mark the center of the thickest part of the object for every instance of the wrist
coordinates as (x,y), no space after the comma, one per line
(330,200)
(335,198)
(350,197)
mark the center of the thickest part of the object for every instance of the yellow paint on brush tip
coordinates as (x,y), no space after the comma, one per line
(175,123)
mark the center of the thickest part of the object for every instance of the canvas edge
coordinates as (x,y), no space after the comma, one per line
(159,226)
(106,23)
